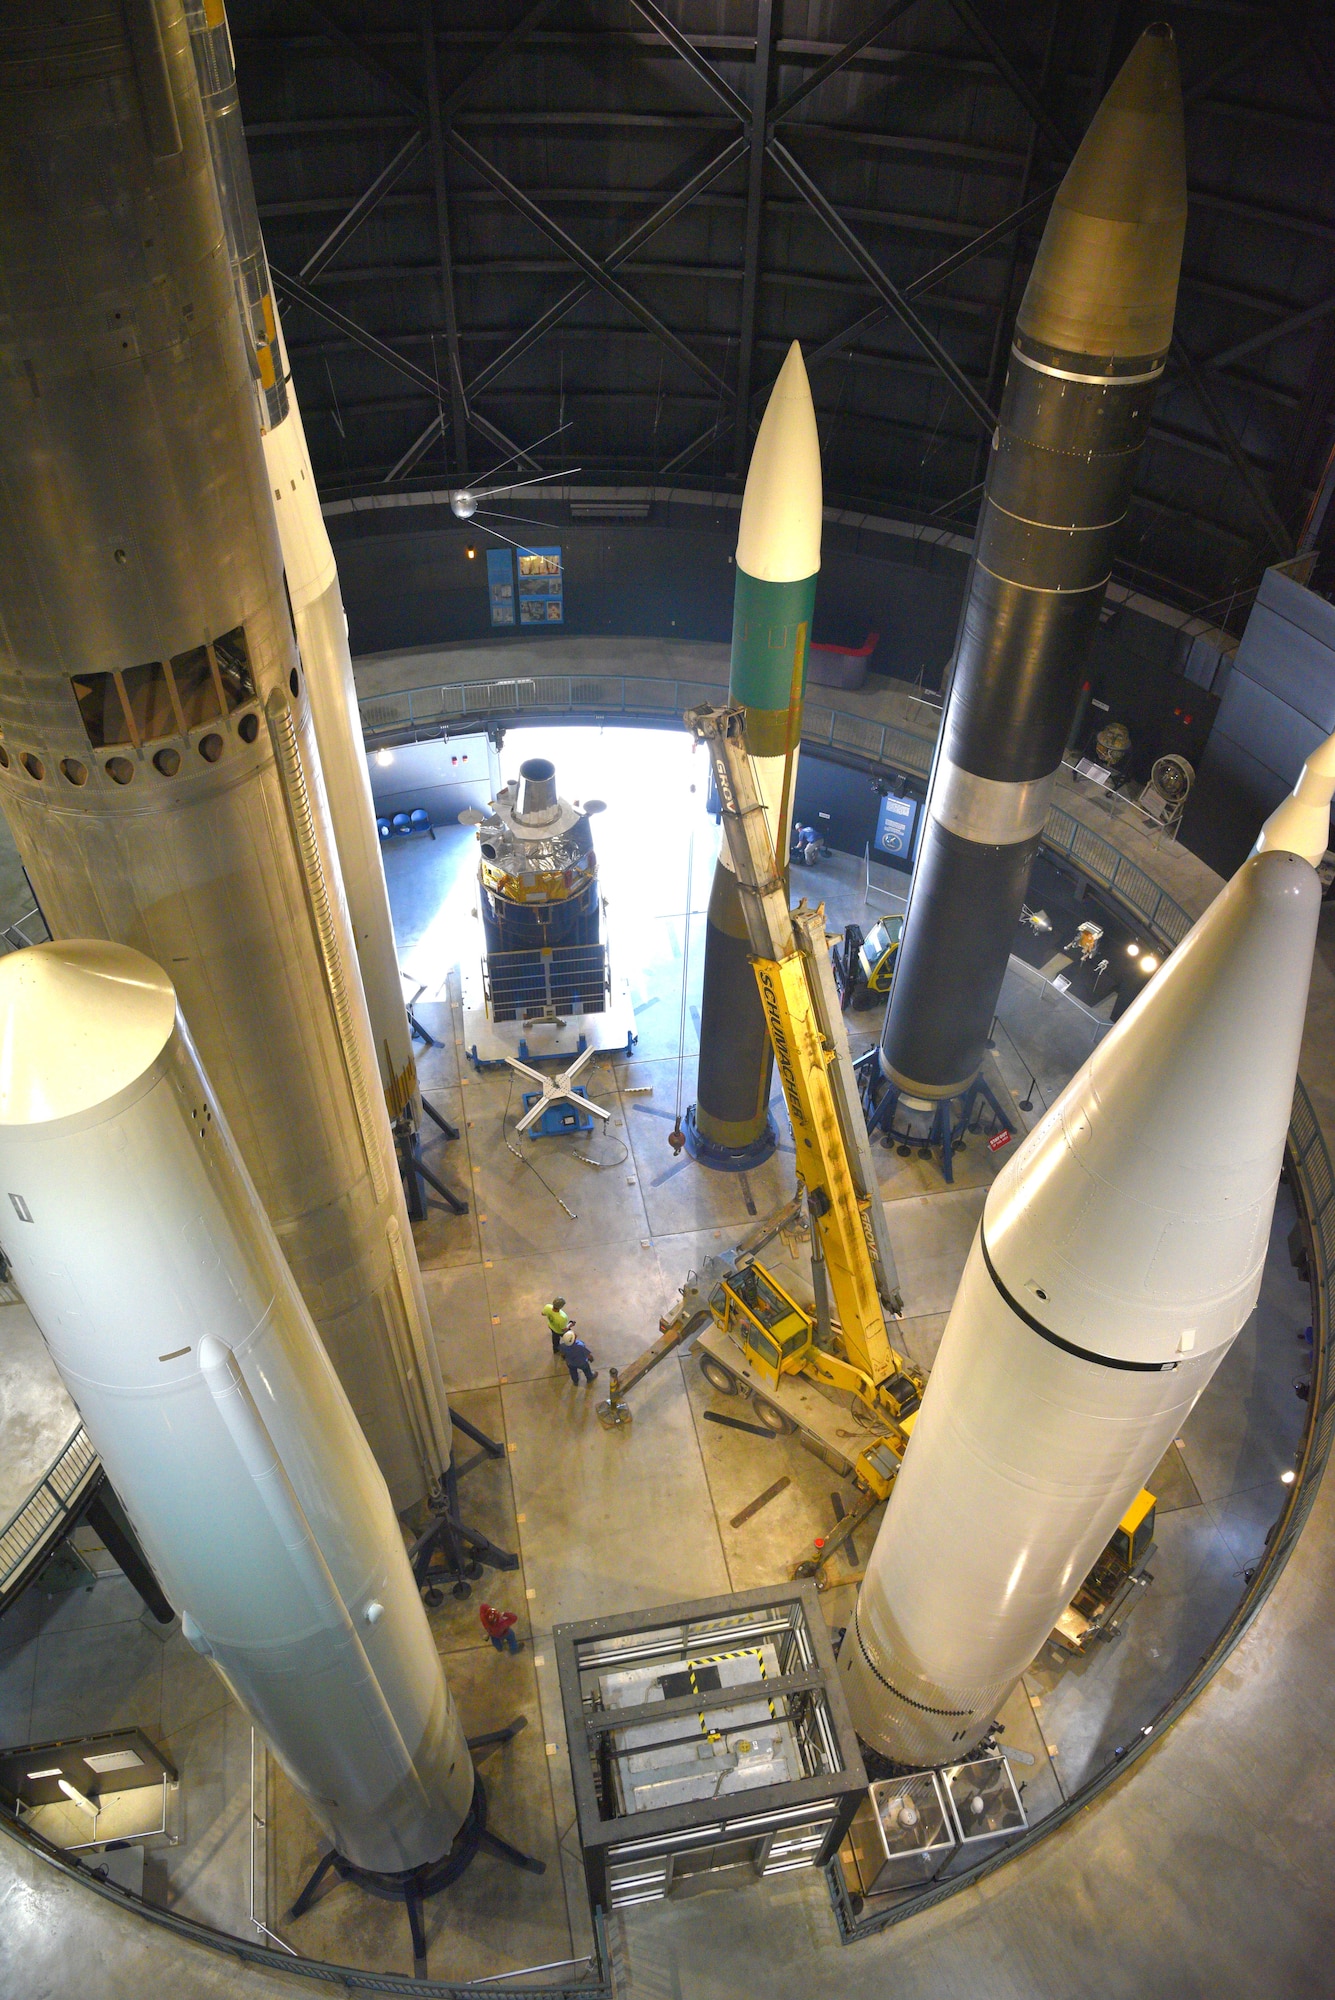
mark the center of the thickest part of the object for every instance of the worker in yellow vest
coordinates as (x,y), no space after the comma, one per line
(558,1321)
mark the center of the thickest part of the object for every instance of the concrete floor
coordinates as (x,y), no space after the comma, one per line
(640,1516)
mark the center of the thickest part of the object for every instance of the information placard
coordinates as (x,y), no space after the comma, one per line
(501,586)
(894,828)
(541,595)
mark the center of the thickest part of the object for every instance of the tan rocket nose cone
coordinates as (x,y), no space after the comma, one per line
(1104,281)
(778,536)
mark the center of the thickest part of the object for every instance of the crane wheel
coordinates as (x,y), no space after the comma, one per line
(717,1376)
(773,1418)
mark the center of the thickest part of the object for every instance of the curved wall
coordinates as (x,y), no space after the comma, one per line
(408,581)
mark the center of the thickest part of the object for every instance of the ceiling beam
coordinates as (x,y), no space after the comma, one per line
(839,60)
(366,202)
(1275,529)
(444,247)
(762,78)
(358,51)
(597,273)
(1243,56)
(1032,103)
(882,284)
(301,295)
(1311,47)
(1294,324)
(545,321)
(925,282)
(669,32)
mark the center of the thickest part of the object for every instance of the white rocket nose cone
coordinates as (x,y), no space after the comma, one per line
(463,504)
(778,536)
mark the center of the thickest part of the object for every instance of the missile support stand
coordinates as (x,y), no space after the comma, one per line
(412,1886)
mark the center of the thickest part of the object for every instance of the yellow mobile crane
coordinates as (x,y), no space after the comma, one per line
(753,1335)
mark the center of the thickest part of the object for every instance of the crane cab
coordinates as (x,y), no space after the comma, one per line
(772,1330)
(880,949)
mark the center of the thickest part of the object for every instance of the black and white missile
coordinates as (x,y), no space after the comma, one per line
(1118,1256)
(1091,339)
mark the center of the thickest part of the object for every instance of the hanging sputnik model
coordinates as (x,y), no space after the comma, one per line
(465,501)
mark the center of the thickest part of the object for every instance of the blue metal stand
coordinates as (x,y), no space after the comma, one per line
(946,1130)
(559,1119)
(729,1159)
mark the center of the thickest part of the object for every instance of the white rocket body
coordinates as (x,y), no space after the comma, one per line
(141,1247)
(1119,1255)
(322,639)
(308,562)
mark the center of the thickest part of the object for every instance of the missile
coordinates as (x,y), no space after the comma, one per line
(158,768)
(312,575)
(1091,339)
(778,557)
(158,1284)
(1119,1255)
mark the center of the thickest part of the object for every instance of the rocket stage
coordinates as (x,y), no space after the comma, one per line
(643,1516)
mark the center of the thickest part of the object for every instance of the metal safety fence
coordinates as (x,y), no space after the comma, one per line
(415,713)
(32,1531)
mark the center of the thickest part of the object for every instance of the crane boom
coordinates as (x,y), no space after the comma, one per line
(790,957)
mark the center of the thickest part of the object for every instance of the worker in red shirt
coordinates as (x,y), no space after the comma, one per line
(499,1627)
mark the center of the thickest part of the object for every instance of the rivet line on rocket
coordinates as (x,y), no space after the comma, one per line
(1057,527)
(1045,590)
(1068,1346)
(898,1693)
(1098,381)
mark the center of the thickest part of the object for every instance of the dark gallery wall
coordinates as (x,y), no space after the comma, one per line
(669,577)
(408,580)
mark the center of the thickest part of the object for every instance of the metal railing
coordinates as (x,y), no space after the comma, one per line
(30,928)
(1313,1185)
(423,711)
(595,1984)
(30,1532)
(1105,864)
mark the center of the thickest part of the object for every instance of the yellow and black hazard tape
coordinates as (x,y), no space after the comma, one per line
(712,1660)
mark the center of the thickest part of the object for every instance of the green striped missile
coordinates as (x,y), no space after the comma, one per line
(778,556)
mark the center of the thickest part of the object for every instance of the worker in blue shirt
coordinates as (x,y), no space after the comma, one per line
(576,1356)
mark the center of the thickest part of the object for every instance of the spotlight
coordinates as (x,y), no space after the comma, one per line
(463,504)
(383,757)
(1287,1478)
(1149,963)
(471,554)
(1133,951)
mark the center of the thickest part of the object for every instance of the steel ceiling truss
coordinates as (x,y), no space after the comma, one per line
(754,145)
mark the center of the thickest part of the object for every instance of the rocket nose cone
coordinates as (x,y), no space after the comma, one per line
(80,1021)
(1105,278)
(778,536)
(1131,165)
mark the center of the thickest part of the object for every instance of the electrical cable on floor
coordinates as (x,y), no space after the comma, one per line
(588,1158)
(510,1147)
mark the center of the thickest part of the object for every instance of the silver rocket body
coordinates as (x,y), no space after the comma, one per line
(158,764)
(140,1245)
(1118,1256)
(312,575)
